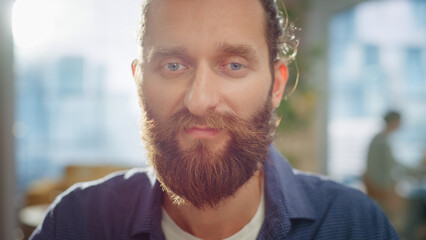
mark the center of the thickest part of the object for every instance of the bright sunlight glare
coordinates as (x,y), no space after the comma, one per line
(33,22)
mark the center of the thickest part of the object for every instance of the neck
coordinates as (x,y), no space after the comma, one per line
(230,217)
(388,131)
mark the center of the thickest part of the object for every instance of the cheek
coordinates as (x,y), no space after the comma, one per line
(161,98)
(247,99)
(151,94)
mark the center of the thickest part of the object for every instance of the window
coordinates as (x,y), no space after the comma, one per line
(76,98)
(377,57)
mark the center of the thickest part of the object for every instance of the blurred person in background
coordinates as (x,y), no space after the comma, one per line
(382,169)
(209,77)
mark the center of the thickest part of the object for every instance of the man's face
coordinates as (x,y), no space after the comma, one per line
(206,56)
(394,125)
(205,74)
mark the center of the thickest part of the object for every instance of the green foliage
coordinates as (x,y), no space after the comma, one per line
(296,110)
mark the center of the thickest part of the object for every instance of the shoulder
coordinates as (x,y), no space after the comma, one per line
(320,208)
(109,190)
(118,182)
(379,140)
(324,191)
(344,211)
(90,207)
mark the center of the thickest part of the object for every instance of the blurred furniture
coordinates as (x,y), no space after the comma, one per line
(414,190)
(45,191)
(33,215)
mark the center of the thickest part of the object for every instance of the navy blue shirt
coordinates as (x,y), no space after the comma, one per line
(127,205)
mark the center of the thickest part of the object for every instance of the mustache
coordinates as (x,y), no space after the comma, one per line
(184,120)
(223,121)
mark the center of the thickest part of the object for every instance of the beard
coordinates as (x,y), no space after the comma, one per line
(201,173)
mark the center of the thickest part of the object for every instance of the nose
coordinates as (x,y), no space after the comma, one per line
(202,96)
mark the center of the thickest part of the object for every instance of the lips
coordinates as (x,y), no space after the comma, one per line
(202,132)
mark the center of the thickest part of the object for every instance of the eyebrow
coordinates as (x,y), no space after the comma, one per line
(243,50)
(160,52)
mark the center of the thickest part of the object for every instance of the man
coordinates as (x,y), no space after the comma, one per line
(382,168)
(380,160)
(209,78)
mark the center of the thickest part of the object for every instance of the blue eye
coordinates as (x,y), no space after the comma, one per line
(173,66)
(235,66)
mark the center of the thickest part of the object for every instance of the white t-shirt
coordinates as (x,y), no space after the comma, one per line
(249,232)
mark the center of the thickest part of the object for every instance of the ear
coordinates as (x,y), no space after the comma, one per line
(280,80)
(134,64)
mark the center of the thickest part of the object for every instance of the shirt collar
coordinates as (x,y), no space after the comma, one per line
(286,199)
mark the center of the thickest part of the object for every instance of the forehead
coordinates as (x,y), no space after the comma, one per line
(201,23)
